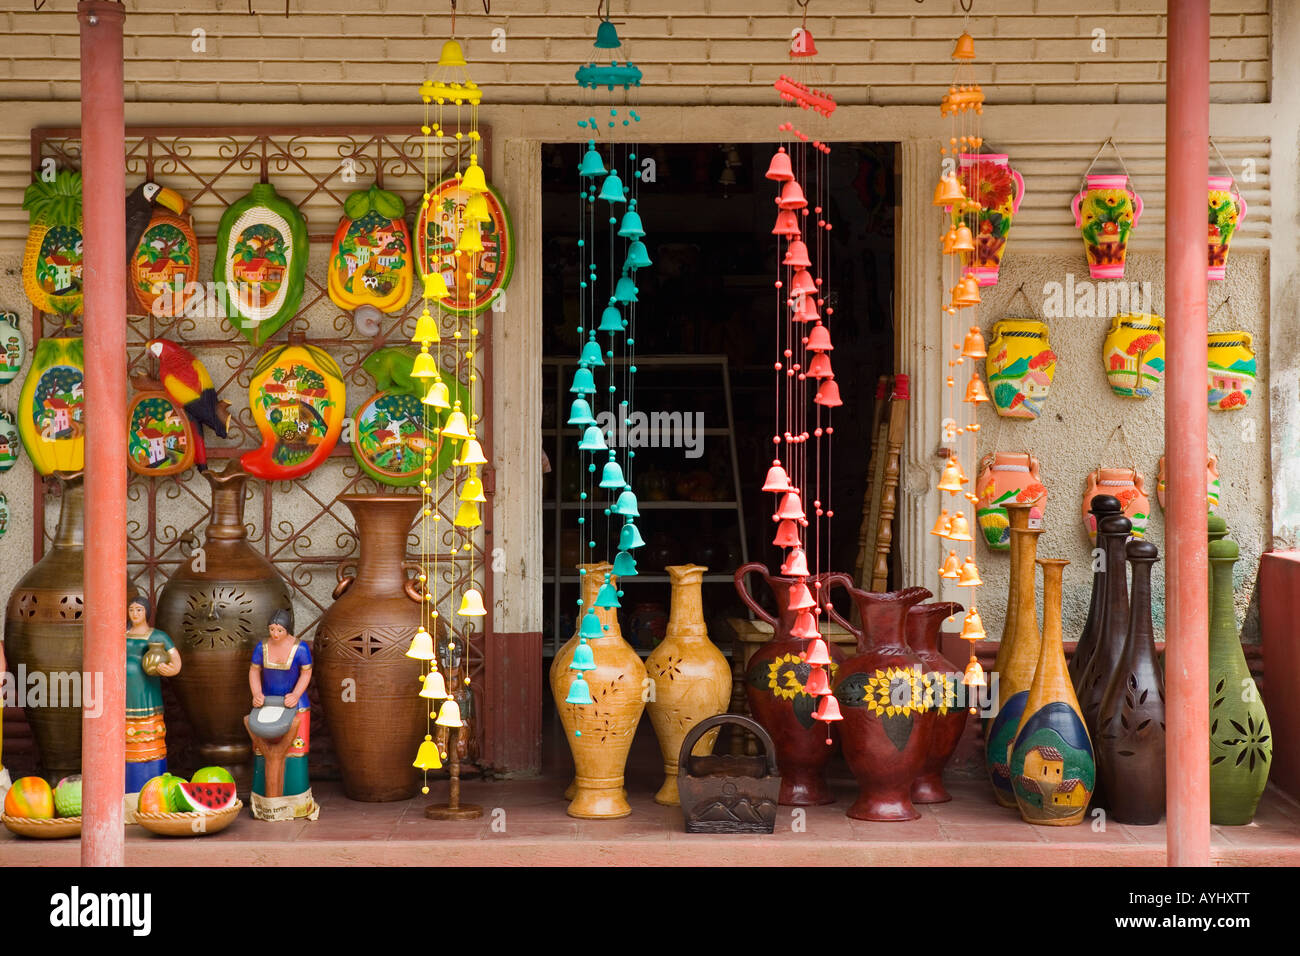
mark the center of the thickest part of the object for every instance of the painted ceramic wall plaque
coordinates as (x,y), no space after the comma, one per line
(1126,484)
(52,260)
(370,261)
(1227,209)
(388,427)
(165,262)
(297,398)
(1134,354)
(261,259)
(437,230)
(1006,477)
(14,348)
(4,514)
(10,442)
(52,407)
(989,178)
(1105,210)
(1211,483)
(160,439)
(1232,370)
(1020,367)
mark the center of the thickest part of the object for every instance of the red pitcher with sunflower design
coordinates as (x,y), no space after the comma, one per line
(999,189)
(775,687)
(888,726)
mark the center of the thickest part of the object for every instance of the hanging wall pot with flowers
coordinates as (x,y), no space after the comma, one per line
(1007,477)
(1211,483)
(1105,210)
(999,189)
(1231,370)
(1227,209)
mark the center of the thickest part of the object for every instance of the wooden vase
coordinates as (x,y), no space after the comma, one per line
(941,677)
(600,733)
(887,727)
(1053,770)
(1130,737)
(1102,505)
(368,687)
(1241,741)
(1017,654)
(692,679)
(216,610)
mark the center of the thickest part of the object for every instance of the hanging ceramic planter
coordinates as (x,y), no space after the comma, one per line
(261,261)
(474,280)
(370,260)
(1006,477)
(1020,366)
(297,398)
(1105,211)
(12,348)
(989,179)
(1231,370)
(165,261)
(1227,209)
(51,408)
(10,442)
(1211,483)
(52,260)
(1134,354)
(4,514)
(160,438)
(1124,484)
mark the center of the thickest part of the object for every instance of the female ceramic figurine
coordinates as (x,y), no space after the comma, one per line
(150,655)
(280,724)
(5,782)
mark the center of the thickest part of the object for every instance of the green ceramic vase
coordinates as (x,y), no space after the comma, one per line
(1241,741)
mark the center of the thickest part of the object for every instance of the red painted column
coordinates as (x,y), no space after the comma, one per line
(1187,697)
(103,170)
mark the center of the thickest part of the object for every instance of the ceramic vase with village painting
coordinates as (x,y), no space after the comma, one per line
(216,610)
(1105,211)
(600,733)
(1017,658)
(1231,370)
(261,261)
(362,639)
(13,349)
(164,265)
(370,260)
(888,726)
(51,407)
(999,189)
(692,679)
(1227,209)
(775,687)
(1005,478)
(1020,366)
(43,633)
(1053,769)
(1134,354)
(940,679)
(52,259)
(1241,740)
(1127,486)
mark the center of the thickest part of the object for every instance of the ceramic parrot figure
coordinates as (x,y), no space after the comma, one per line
(139,210)
(189,385)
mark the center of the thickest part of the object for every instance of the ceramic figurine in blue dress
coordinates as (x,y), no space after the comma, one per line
(280,724)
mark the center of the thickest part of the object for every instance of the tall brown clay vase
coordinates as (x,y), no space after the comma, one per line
(1131,721)
(941,677)
(600,733)
(692,679)
(774,686)
(368,687)
(43,631)
(216,607)
(1101,507)
(1017,654)
(887,727)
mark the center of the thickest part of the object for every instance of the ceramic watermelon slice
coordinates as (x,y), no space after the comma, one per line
(204,797)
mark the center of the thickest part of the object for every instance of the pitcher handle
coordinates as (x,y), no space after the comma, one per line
(743,591)
(1074,206)
(344,580)
(1137,205)
(1020,192)
(1241,203)
(838,577)
(413,587)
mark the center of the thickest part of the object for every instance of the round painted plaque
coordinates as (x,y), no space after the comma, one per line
(437,231)
(10,442)
(14,349)
(160,438)
(165,263)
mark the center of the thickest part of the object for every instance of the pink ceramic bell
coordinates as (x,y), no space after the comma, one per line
(791,507)
(777,479)
(796,565)
(817,653)
(817,684)
(803,284)
(828,394)
(779,169)
(787,534)
(806,310)
(805,626)
(792,196)
(820,366)
(819,339)
(828,709)
(797,255)
(801,598)
(787,224)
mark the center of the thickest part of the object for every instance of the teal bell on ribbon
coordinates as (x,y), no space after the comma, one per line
(593,439)
(579,692)
(591,354)
(591,626)
(580,413)
(625,291)
(638,256)
(611,190)
(591,164)
(608,596)
(607,36)
(611,320)
(630,538)
(612,476)
(583,383)
(583,658)
(624,565)
(626,505)
(630,227)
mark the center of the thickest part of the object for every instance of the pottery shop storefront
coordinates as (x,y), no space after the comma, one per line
(342,284)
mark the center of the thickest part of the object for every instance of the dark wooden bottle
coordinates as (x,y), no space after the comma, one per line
(1101,507)
(1131,722)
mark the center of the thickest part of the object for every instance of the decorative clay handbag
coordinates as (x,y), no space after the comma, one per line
(1231,370)
(1020,367)
(1007,476)
(1134,354)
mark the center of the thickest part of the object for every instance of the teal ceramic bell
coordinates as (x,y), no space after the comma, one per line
(580,413)
(583,383)
(611,320)
(593,439)
(583,658)
(630,227)
(611,190)
(626,505)
(591,626)
(591,164)
(624,565)
(591,354)
(630,538)
(637,256)
(607,36)
(625,291)
(608,596)
(579,692)
(612,476)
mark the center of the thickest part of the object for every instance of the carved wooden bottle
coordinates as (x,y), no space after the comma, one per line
(1102,506)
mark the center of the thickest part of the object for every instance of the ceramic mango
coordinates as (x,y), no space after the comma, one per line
(1020,367)
(1134,354)
(370,261)
(297,398)
(51,408)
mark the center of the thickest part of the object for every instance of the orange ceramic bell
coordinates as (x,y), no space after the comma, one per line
(950,242)
(951,479)
(973,347)
(966,292)
(803,284)
(777,479)
(941,524)
(819,339)
(974,676)
(975,393)
(800,598)
(820,366)
(787,224)
(965,48)
(970,575)
(951,567)
(828,708)
(817,654)
(787,534)
(779,168)
(806,311)
(972,628)
(964,241)
(796,565)
(959,528)
(797,255)
(791,507)
(792,196)
(949,192)
(828,394)
(817,684)
(805,626)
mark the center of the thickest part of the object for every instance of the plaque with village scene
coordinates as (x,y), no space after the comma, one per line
(477,285)
(159,437)
(297,399)
(165,264)
(52,417)
(12,348)
(370,262)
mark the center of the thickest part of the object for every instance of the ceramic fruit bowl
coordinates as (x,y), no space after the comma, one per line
(189,824)
(53,829)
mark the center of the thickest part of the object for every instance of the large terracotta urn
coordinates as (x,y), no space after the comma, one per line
(367,686)
(216,607)
(887,727)
(600,733)
(941,678)
(775,686)
(43,632)
(692,679)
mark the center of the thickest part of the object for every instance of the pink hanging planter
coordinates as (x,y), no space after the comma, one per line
(989,179)
(1227,209)
(1106,209)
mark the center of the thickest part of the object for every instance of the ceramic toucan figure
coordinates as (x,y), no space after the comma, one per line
(139,210)
(189,385)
